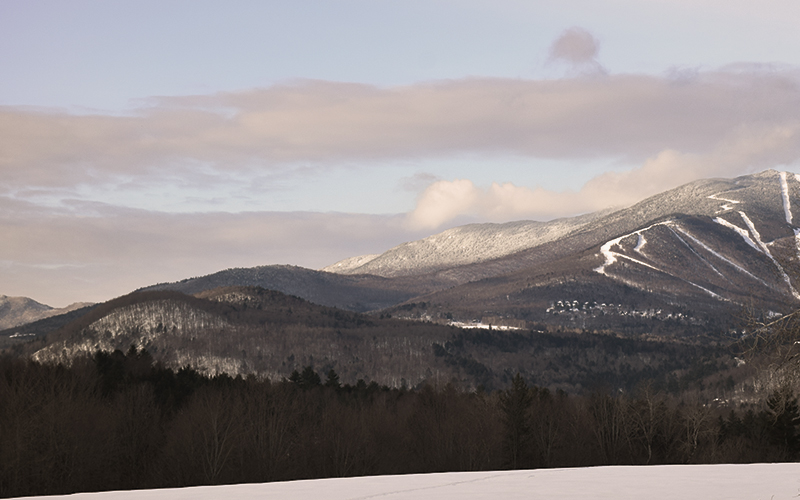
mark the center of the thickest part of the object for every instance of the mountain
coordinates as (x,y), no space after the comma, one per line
(356,293)
(608,296)
(253,331)
(470,244)
(683,262)
(15,311)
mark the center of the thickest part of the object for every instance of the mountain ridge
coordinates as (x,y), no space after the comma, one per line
(698,253)
(16,311)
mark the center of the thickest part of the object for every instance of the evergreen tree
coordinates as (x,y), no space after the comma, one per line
(515,404)
(309,378)
(332,380)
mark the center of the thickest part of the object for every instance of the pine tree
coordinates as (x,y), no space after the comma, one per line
(332,380)
(515,403)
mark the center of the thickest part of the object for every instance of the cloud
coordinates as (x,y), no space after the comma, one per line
(575,46)
(59,258)
(260,132)
(661,131)
(748,150)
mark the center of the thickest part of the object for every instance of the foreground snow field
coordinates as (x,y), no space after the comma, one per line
(679,482)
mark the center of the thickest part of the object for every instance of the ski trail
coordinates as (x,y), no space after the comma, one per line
(611,256)
(722,257)
(716,296)
(695,253)
(787,208)
(757,236)
(640,244)
(754,232)
(797,241)
(724,207)
(742,232)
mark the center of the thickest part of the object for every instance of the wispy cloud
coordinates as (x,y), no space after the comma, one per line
(661,130)
(60,257)
(749,149)
(630,116)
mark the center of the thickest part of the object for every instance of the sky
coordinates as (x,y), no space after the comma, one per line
(151,141)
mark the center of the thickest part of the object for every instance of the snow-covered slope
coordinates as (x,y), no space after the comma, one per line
(750,247)
(668,482)
(461,245)
(699,252)
(161,322)
(713,244)
(15,311)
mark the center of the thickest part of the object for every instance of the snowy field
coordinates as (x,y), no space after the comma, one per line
(678,482)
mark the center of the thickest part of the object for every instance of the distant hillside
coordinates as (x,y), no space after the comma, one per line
(355,293)
(15,311)
(249,330)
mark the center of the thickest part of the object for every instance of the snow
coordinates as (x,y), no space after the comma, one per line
(764,247)
(787,208)
(663,482)
(343,266)
(462,245)
(611,256)
(758,244)
(742,232)
(640,245)
(716,296)
(797,241)
(720,256)
(726,206)
(481,326)
(709,264)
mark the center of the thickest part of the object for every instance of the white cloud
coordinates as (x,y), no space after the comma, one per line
(260,131)
(748,150)
(662,131)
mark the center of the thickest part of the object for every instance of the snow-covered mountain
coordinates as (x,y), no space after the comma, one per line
(15,311)
(711,246)
(687,257)
(462,245)
(684,263)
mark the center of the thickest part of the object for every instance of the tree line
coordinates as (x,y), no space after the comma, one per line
(122,421)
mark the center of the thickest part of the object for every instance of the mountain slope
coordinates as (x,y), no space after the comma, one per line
(355,293)
(697,253)
(249,330)
(462,245)
(15,311)
(714,246)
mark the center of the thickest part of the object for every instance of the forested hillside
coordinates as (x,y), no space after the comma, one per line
(252,331)
(120,421)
